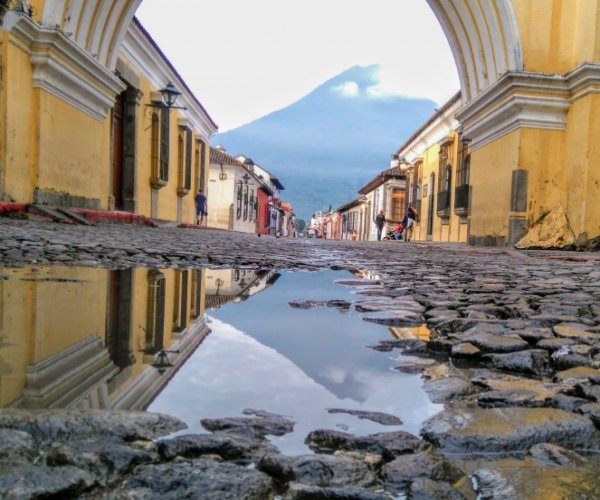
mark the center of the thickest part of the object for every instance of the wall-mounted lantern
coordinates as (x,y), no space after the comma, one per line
(161,361)
(169,97)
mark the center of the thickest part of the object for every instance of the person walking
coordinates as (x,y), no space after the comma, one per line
(379,222)
(410,218)
(201,208)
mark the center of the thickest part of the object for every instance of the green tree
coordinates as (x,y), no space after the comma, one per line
(300,225)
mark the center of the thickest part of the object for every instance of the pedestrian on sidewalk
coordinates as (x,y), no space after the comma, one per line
(409,222)
(201,208)
(379,222)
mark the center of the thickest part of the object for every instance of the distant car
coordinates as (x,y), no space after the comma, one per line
(311,233)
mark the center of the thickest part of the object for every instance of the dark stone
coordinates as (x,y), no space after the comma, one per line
(105,460)
(592,410)
(398,474)
(215,481)
(551,454)
(304,492)
(223,444)
(534,335)
(414,365)
(386,444)
(571,361)
(17,446)
(447,389)
(567,403)
(428,489)
(375,416)
(532,361)
(317,470)
(32,481)
(505,430)
(262,426)
(65,425)
(496,343)
(465,350)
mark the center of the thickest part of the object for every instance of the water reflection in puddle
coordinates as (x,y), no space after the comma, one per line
(136,339)
(266,355)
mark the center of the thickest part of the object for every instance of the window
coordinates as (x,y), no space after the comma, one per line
(461,195)
(180,301)
(188,159)
(159,148)
(239,200)
(445,161)
(155,146)
(164,144)
(464,165)
(252,205)
(155,322)
(246,202)
(200,164)
(196,295)
(398,203)
(184,161)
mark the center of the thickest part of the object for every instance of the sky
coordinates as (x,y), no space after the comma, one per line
(244,59)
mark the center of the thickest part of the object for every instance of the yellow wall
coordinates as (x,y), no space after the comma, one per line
(454,230)
(72,142)
(47,312)
(18,123)
(581,175)
(491,179)
(167,195)
(558,35)
(41,317)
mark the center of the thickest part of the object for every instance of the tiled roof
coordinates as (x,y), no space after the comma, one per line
(349,205)
(381,178)
(218,156)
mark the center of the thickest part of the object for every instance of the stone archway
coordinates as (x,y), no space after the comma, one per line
(483,36)
(484,39)
(97,27)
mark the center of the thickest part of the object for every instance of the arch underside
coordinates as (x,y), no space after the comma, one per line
(484,39)
(98,27)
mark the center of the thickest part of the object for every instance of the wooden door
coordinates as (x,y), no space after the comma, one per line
(117,184)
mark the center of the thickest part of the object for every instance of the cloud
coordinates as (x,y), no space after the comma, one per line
(347,89)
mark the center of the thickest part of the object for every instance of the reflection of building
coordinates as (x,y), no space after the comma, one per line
(234,285)
(412,332)
(85,338)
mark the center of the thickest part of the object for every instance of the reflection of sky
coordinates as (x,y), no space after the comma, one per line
(266,355)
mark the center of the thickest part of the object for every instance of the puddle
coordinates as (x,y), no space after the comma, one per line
(266,355)
(202,343)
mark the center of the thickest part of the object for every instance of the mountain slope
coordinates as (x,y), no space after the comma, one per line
(328,144)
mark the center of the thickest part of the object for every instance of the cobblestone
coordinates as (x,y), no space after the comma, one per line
(513,317)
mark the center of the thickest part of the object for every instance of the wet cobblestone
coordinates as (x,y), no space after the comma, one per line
(513,333)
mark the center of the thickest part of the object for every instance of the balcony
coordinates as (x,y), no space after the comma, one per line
(443,204)
(461,200)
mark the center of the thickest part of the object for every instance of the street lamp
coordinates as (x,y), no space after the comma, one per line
(161,361)
(169,96)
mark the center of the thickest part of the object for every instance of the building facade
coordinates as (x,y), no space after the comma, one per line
(90,129)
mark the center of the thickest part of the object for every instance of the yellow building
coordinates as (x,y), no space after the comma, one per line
(84,122)
(437,164)
(131,331)
(74,73)
(530,100)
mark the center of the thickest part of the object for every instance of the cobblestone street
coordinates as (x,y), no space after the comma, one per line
(515,347)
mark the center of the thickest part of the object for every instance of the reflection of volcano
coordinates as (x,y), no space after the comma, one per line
(232,371)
